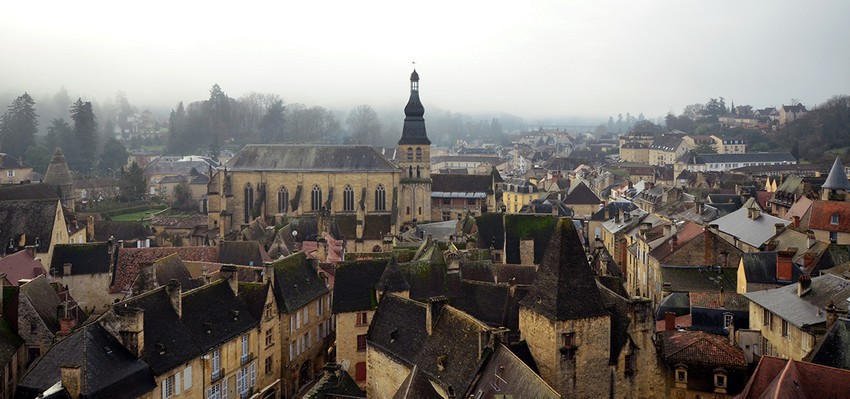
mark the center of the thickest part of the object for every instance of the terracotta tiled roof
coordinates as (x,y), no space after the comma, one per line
(822,212)
(781,378)
(685,234)
(717,300)
(131,259)
(699,347)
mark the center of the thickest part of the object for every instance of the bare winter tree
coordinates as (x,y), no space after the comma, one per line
(363,125)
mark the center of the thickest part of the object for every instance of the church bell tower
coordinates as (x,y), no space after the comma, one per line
(414,155)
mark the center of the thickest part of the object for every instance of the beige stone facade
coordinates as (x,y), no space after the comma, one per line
(386,376)
(307,335)
(779,337)
(351,348)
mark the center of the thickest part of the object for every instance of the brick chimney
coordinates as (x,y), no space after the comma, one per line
(804,285)
(230,274)
(432,312)
(71,378)
(784,266)
(669,321)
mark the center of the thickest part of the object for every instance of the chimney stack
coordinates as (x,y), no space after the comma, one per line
(174,294)
(432,313)
(804,285)
(268,272)
(230,274)
(778,227)
(669,321)
(71,377)
(784,265)
(700,207)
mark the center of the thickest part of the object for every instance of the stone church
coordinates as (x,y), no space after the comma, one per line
(367,196)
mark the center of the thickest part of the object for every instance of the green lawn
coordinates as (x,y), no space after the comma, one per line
(135,216)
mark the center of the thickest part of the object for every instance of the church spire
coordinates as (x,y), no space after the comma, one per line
(413,131)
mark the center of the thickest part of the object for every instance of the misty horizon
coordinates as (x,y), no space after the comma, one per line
(536,61)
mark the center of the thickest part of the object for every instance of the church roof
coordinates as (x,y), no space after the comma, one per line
(565,288)
(413,131)
(309,158)
(57,171)
(837,179)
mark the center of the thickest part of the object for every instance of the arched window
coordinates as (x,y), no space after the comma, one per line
(418,154)
(410,171)
(249,202)
(282,200)
(348,198)
(409,153)
(380,198)
(316,198)
(418,173)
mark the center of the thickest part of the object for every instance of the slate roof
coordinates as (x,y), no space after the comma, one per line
(107,369)
(87,258)
(754,232)
(44,300)
(667,142)
(700,347)
(760,268)
(249,253)
(833,349)
(461,184)
(490,303)
(837,178)
(580,194)
(565,288)
(416,386)
(808,310)
(310,158)
(172,267)
(20,265)
(521,380)
(10,342)
(57,170)
(297,282)
(33,218)
(131,259)
(354,286)
(19,192)
(398,327)
(104,229)
(216,306)
(333,386)
(749,157)
(698,279)
(716,300)
(781,378)
(523,274)
(821,212)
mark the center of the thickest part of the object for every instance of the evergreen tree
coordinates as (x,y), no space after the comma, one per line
(114,157)
(85,134)
(133,183)
(19,125)
(272,124)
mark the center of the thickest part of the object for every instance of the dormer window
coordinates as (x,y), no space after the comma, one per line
(834,219)
(721,380)
(568,340)
(681,376)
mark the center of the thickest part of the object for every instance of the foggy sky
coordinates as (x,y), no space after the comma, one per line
(532,59)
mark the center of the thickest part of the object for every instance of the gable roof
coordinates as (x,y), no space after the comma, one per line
(821,213)
(86,258)
(311,158)
(461,184)
(44,300)
(297,284)
(504,373)
(20,265)
(104,229)
(760,268)
(249,253)
(19,192)
(781,378)
(355,284)
(107,369)
(580,194)
(833,349)
(416,386)
(33,218)
(807,310)
(751,231)
(700,347)
(130,261)
(565,288)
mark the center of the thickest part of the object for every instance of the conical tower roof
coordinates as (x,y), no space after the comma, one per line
(837,179)
(565,288)
(392,280)
(57,171)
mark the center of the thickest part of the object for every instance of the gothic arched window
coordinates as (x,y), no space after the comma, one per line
(248,202)
(418,154)
(348,198)
(316,198)
(282,200)
(380,198)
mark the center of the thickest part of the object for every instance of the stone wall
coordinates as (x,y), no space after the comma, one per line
(347,331)
(383,375)
(91,291)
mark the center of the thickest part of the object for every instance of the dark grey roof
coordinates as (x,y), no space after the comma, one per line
(754,232)
(807,310)
(10,342)
(413,132)
(506,374)
(32,191)
(310,158)
(44,300)
(87,258)
(760,268)
(214,315)
(416,386)
(580,194)
(248,253)
(489,302)
(33,218)
(172,267)
(107,369)
(461,183)
(392,279)
(698,279)
(298,283)
(335,383)
(565,288)
(104,229)
(398,326)
(833,349)
(667,142)
(837,179)
(354,285)
(749,157)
